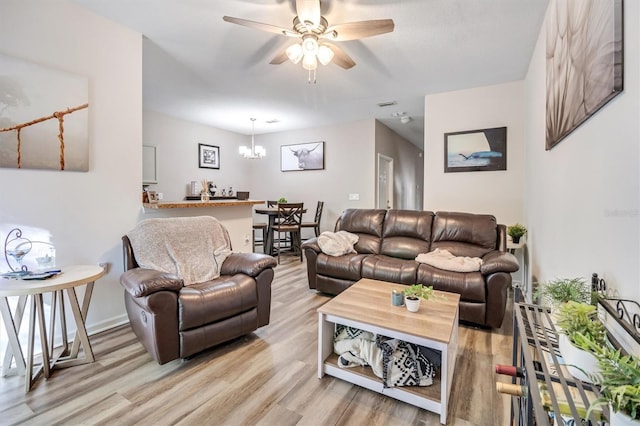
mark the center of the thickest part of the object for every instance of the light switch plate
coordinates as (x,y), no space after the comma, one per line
(354,197)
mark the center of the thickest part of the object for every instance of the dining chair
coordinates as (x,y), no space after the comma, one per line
(316,221)
(289,221)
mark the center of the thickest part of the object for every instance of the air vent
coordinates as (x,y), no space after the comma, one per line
(386,104)
(272,121)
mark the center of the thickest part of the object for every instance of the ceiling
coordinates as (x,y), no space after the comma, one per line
(199,68)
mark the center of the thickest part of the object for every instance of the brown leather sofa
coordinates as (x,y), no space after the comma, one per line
(176,321)
(390,240)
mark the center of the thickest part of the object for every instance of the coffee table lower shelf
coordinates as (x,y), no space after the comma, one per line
(426,397)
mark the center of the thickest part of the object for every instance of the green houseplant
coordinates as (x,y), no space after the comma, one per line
(516,232)
(578,321)
(282,200)
(413,294)
(562,290)
(619,381)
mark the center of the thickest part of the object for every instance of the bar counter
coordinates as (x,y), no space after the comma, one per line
(198,203)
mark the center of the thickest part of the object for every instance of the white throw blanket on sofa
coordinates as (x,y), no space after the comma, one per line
(337,243)
(443,259)
(193,248)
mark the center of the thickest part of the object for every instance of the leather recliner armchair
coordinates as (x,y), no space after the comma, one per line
(176,321)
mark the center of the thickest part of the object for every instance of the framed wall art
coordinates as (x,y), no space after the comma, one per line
(44,117)
(304,156)
(584,65)
(475,150)
(208,156)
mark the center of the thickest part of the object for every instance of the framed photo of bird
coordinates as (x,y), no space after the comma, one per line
(475,150)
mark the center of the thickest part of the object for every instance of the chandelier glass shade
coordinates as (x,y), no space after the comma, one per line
(256,152)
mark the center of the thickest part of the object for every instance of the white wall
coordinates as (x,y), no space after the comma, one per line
(349,169)
(491,192)
(177,141)
(86,213)
(408,167)
(582,197)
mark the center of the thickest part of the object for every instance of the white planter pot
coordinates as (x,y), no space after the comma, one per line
(411,304)
(574,357)
(621,419)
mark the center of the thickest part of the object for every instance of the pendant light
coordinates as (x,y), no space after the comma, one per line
(255,152)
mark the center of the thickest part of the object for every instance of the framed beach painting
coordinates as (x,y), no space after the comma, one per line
(584,46)
(475,150)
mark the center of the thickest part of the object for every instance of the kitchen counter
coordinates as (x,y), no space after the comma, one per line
(197,203)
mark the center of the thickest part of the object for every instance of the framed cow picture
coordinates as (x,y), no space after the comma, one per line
(303,156)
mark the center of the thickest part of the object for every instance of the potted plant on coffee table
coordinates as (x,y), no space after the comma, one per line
(413,294)
(516,232)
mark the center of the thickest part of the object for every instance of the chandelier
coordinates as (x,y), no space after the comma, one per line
(255,152)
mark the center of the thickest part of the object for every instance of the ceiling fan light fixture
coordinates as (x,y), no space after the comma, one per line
(325,54)
(294,53)
(310,44)
(309,62)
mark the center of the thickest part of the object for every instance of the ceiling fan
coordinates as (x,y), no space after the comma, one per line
(316,36)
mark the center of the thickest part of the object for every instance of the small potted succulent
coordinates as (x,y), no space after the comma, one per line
(282,200)
(516,232)
(414,293)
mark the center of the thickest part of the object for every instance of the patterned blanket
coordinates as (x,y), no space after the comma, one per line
(193,248)
(396,362)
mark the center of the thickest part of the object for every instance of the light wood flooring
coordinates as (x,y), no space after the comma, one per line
(268,377)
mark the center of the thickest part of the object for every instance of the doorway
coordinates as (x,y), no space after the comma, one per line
(384,182)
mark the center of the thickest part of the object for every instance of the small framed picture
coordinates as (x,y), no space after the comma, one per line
(152,196)
(208,156)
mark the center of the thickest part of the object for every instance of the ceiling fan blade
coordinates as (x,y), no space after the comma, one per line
(279,58)
(340,58)
(357,30)
(260,26)
(308,11)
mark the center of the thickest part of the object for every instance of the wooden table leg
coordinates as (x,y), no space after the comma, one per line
(81,337)
(12,326)
(37,310)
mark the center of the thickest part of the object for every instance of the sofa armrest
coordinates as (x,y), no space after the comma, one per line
(312,244)
(498,261)
(251,264)
(140,282)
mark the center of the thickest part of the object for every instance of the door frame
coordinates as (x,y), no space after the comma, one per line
(383,160)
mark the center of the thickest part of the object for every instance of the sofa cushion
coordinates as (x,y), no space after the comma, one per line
(216,300)
(347,267)
(391,269)
(367,224)
(469,285)
(464,234)
(406,233)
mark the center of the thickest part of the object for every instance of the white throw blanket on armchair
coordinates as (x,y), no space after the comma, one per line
(193,248)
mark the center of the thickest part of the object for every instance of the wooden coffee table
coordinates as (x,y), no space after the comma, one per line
(367,305)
